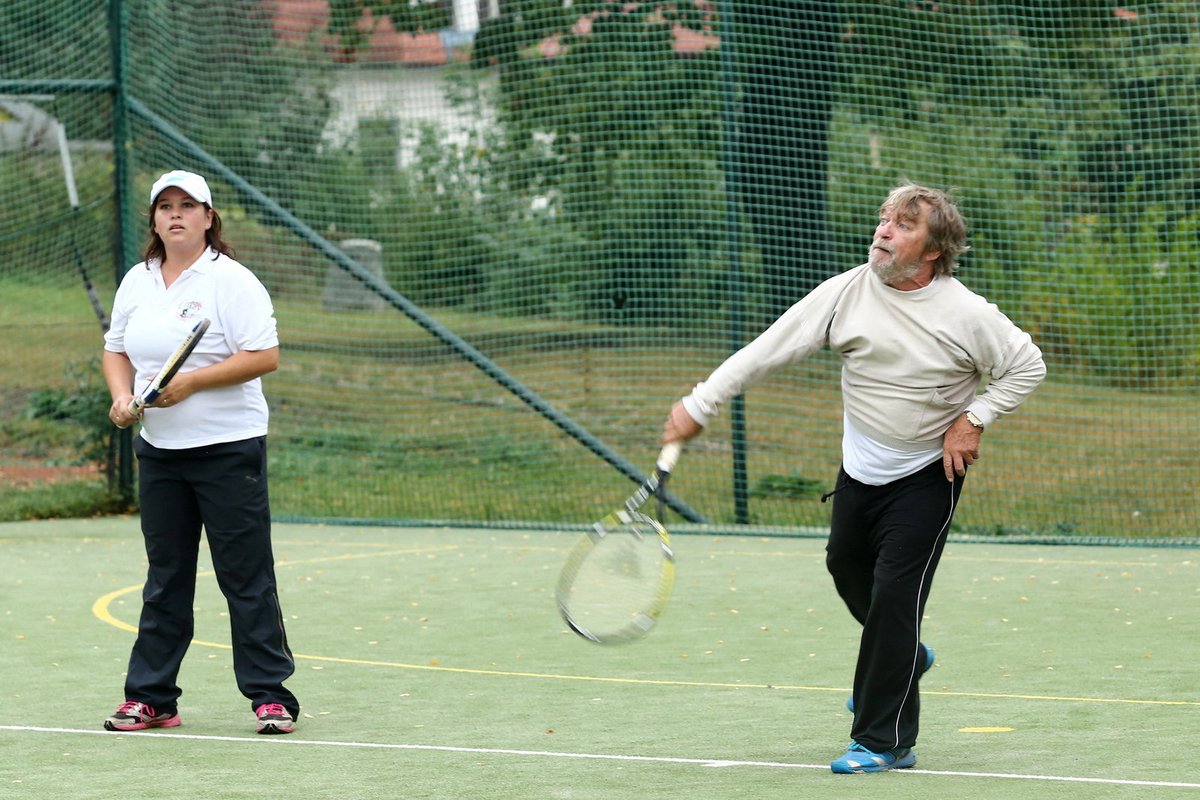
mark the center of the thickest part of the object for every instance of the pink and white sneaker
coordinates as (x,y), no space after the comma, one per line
(134,716)
(274,718)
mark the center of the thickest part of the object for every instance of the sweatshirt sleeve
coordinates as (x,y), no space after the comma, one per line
(1016,372)
(800,331)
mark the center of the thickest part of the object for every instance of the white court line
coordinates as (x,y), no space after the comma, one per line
(699,762)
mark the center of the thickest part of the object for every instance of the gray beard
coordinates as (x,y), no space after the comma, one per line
(893,272)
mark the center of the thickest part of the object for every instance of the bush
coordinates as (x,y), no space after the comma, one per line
(82,403)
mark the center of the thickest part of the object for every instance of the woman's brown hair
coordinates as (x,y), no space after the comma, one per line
(156,250)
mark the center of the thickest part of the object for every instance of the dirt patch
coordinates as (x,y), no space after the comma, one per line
(27,475)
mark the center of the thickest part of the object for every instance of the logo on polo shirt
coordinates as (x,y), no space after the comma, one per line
(190,309)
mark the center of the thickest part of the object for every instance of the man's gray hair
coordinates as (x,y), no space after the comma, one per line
(947,229)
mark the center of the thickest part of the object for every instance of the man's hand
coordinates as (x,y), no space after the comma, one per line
(679,425)
(960,447)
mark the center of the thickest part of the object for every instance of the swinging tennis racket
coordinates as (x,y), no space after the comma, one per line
(151,392)
(619,576)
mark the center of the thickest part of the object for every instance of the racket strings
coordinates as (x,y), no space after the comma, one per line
(618,579)
(617,585)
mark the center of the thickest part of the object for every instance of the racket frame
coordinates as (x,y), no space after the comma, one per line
(625,521)
(170,368)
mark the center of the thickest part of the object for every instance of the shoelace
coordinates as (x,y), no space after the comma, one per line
(132,708)
(272,710)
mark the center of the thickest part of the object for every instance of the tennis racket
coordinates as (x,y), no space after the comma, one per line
(619,576)
(169,369)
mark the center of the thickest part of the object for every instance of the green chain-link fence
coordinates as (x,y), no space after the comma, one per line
(503,237)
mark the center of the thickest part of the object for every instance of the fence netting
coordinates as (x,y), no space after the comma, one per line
(502,237)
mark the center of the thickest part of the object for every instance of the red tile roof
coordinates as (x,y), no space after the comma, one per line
(296,20)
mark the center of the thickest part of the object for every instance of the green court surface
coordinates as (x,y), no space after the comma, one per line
(431,663)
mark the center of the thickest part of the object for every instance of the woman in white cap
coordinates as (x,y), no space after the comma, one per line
(201,454)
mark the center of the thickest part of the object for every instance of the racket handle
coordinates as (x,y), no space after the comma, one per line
(139,403)
(668,456)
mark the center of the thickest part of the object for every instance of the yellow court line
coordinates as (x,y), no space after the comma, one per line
(1192,561)
(1047,562)
(101,612)
(100,609)
(410,551)
(720,685)
(1077,562)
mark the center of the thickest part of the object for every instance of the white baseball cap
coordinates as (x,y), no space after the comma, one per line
(190,182)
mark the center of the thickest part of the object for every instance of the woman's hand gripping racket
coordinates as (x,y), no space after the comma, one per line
(618,578)
(169,369)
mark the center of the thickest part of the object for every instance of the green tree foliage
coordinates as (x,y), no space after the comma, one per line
(63,46)
(1098,99)
(785,59)
(273,103)
(608,155)
(83,403)
(601,164)
(629,138)
(1088,114)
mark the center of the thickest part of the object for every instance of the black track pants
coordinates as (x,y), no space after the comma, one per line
(884,546)
(222,489)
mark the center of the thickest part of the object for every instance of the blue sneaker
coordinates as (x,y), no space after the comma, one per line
(860,759)
(930,656)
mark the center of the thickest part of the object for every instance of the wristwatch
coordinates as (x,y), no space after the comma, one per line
(974,420)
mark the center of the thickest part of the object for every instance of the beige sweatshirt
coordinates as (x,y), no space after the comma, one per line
(911,361)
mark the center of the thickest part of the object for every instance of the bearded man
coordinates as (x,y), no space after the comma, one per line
(916,346)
